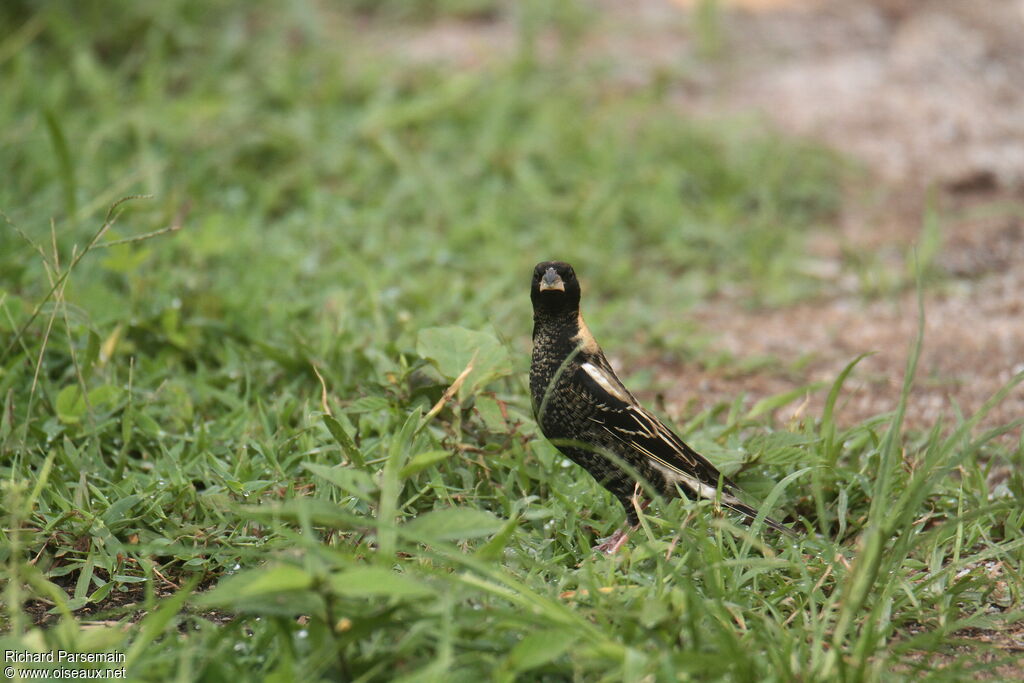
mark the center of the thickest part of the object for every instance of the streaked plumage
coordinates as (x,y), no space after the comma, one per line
(586,412)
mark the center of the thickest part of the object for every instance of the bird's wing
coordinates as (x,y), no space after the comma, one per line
(628,422)
(621,416)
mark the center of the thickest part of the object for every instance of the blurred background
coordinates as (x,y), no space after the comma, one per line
(744,185)
(246,245)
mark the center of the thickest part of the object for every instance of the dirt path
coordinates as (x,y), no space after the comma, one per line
(924,91)
(929,96)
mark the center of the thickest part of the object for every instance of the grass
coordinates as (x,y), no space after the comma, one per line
(219,443)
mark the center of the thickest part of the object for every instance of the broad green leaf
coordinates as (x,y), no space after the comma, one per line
(127,424)
(145,423)
(451,349)
(101,593)
(367,581)
(540,647)
(262,581)
(92,352)
(352,481)
(491,413)
(317,511)
(71,404)
(281,590)
(493,549)
(85,578)
(780,448)
(451,524)
(423,461)
(368,404)
(348,446)
(65,163)
(390,486)
(125,578)
(116,512)
(126,258)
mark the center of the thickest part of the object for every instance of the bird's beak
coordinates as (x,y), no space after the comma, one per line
(551,280)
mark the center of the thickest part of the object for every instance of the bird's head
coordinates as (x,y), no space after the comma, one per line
(555,289)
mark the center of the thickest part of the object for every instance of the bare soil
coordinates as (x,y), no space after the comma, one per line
(929,96)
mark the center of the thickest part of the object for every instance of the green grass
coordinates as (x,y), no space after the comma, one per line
(318,209)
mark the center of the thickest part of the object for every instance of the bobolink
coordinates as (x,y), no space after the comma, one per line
(587,413)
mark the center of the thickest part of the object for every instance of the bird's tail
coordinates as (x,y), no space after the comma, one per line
(751,513)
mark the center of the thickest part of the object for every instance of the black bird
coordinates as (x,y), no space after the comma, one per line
(587,413)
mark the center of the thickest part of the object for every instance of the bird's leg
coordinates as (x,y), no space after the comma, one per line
(614,543)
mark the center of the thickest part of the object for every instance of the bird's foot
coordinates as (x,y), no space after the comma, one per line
(614,543)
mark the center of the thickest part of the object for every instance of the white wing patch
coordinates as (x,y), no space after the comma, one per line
(651,428)
(606,382)
(698,487)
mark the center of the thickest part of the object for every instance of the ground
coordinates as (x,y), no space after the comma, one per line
(926,96)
